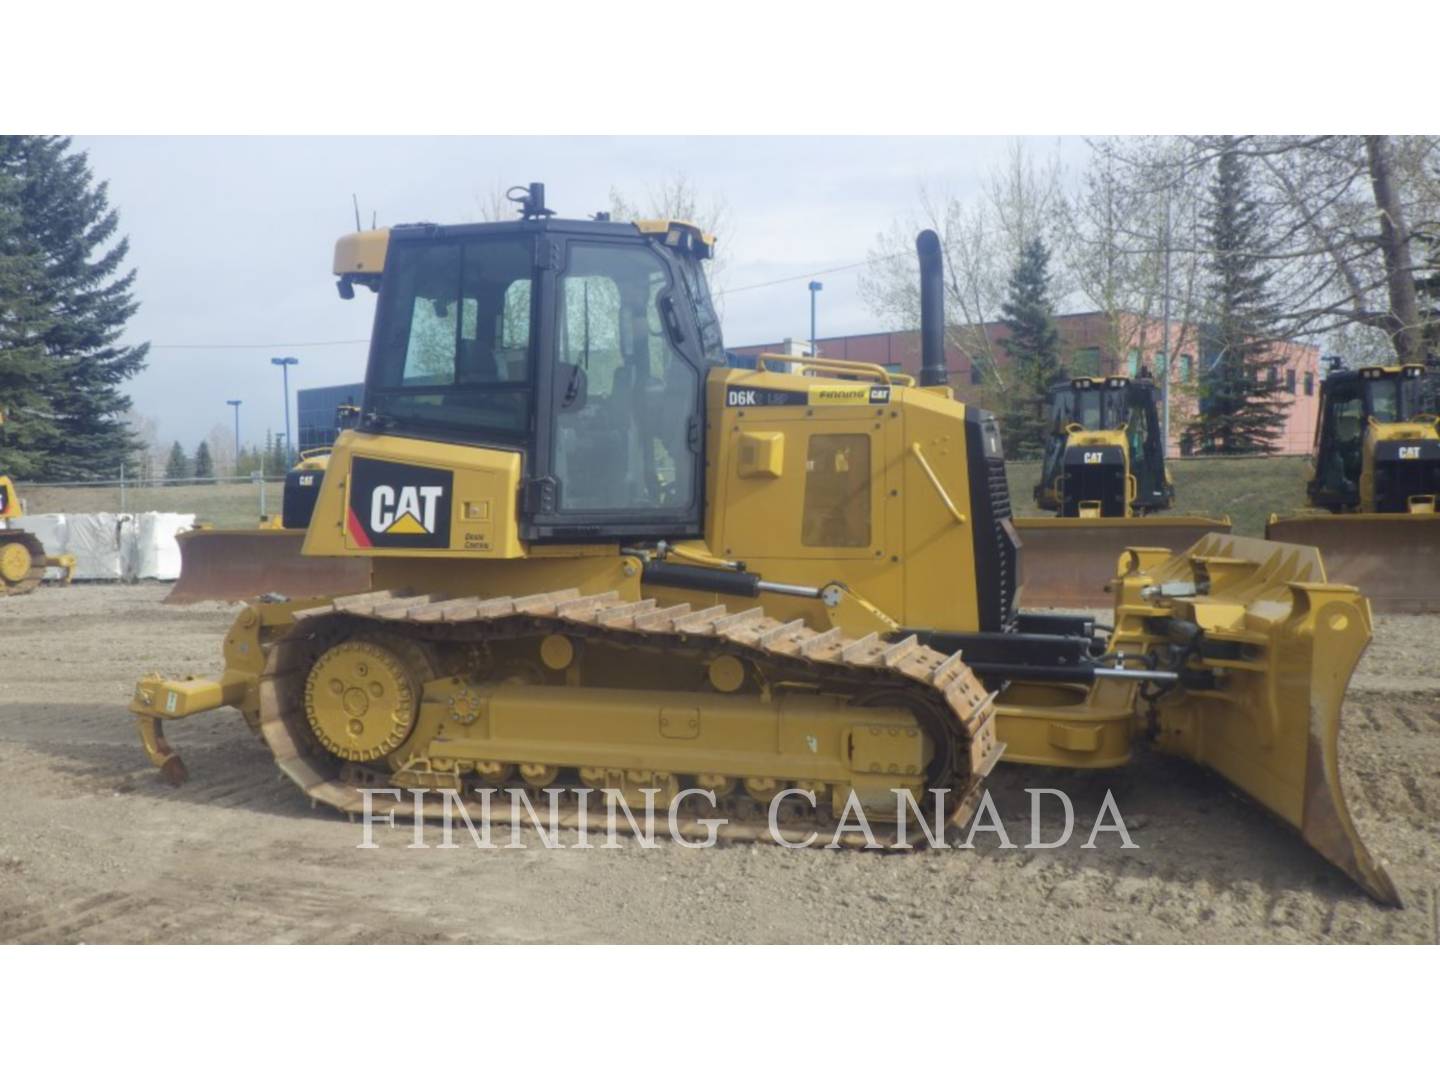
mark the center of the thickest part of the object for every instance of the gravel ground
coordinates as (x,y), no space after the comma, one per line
(95,847)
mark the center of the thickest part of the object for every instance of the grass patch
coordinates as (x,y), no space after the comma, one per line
(225,505)
(1248,489)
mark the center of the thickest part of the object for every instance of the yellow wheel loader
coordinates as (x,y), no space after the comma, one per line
(23,561)
(604,561)
(1103,474)
(1374,481)
(241,564)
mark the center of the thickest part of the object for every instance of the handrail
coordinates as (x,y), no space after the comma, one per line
(939,487)
(838,367)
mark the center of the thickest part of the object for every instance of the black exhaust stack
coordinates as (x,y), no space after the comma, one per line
(933,370)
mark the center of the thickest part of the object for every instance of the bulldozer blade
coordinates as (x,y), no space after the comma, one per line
(1391,558)
(1069,562)
(241,564)
(1270,648)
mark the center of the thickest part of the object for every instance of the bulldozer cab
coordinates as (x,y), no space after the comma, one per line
(580,344)
(1125,475)
(1352,404)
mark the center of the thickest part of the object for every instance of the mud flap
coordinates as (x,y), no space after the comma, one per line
(241,564)
(1391,558)
(1069,562)
(1268,648)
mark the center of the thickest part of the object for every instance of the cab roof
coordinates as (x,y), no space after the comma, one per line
(360,256)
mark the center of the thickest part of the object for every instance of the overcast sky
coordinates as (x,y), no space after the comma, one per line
(232,237)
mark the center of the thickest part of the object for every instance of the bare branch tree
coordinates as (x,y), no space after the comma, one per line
(1343,214)
(980,241)
(679,198)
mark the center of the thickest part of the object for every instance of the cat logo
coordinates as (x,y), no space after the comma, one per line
(306,481)
(1409,453)
(394,505)
(1094,457)
(410,511)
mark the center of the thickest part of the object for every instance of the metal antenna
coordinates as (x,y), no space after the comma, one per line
(356,200)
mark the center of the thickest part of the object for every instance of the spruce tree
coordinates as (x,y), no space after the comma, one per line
(24,374)
(251,460)
(1034,349)
(66,222)
(276,458)
(177,466)
(1242,395)
(204,464)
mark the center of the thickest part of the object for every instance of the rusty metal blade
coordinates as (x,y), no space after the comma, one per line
(1068,562)
(241,564)
(1391,558)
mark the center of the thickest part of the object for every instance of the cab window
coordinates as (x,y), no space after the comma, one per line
(453,349)
(1341,458)
(1385,400)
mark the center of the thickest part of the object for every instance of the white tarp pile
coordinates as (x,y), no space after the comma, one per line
(112,547)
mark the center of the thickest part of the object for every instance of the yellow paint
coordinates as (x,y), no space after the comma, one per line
(362,254)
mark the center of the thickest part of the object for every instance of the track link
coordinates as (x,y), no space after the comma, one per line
(951,705)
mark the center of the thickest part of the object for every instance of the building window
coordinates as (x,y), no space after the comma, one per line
(1187,367)
(1085,362)
(1309,384)
(975,377)
(1290,380)
(1272,374)
(1161,363)
(1132,363)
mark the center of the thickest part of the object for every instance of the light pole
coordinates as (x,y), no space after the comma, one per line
(815,287)
(235,404)
(285,363)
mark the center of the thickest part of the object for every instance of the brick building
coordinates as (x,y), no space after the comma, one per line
(1088,346)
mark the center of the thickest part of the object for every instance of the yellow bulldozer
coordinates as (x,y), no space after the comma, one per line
(23,560)
(1373,485)
(1104,477)
(601,559)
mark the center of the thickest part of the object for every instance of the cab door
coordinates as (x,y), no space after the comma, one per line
(621,457)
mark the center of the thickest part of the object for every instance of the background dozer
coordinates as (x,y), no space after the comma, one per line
(1103,474)
(241,564)
(23,560)
(1373,486)
(604,560)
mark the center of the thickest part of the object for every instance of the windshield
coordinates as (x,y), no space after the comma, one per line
(452,342)
(1088,408)
(1385,400)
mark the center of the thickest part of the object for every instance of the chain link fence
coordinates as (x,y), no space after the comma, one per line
(225,502)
